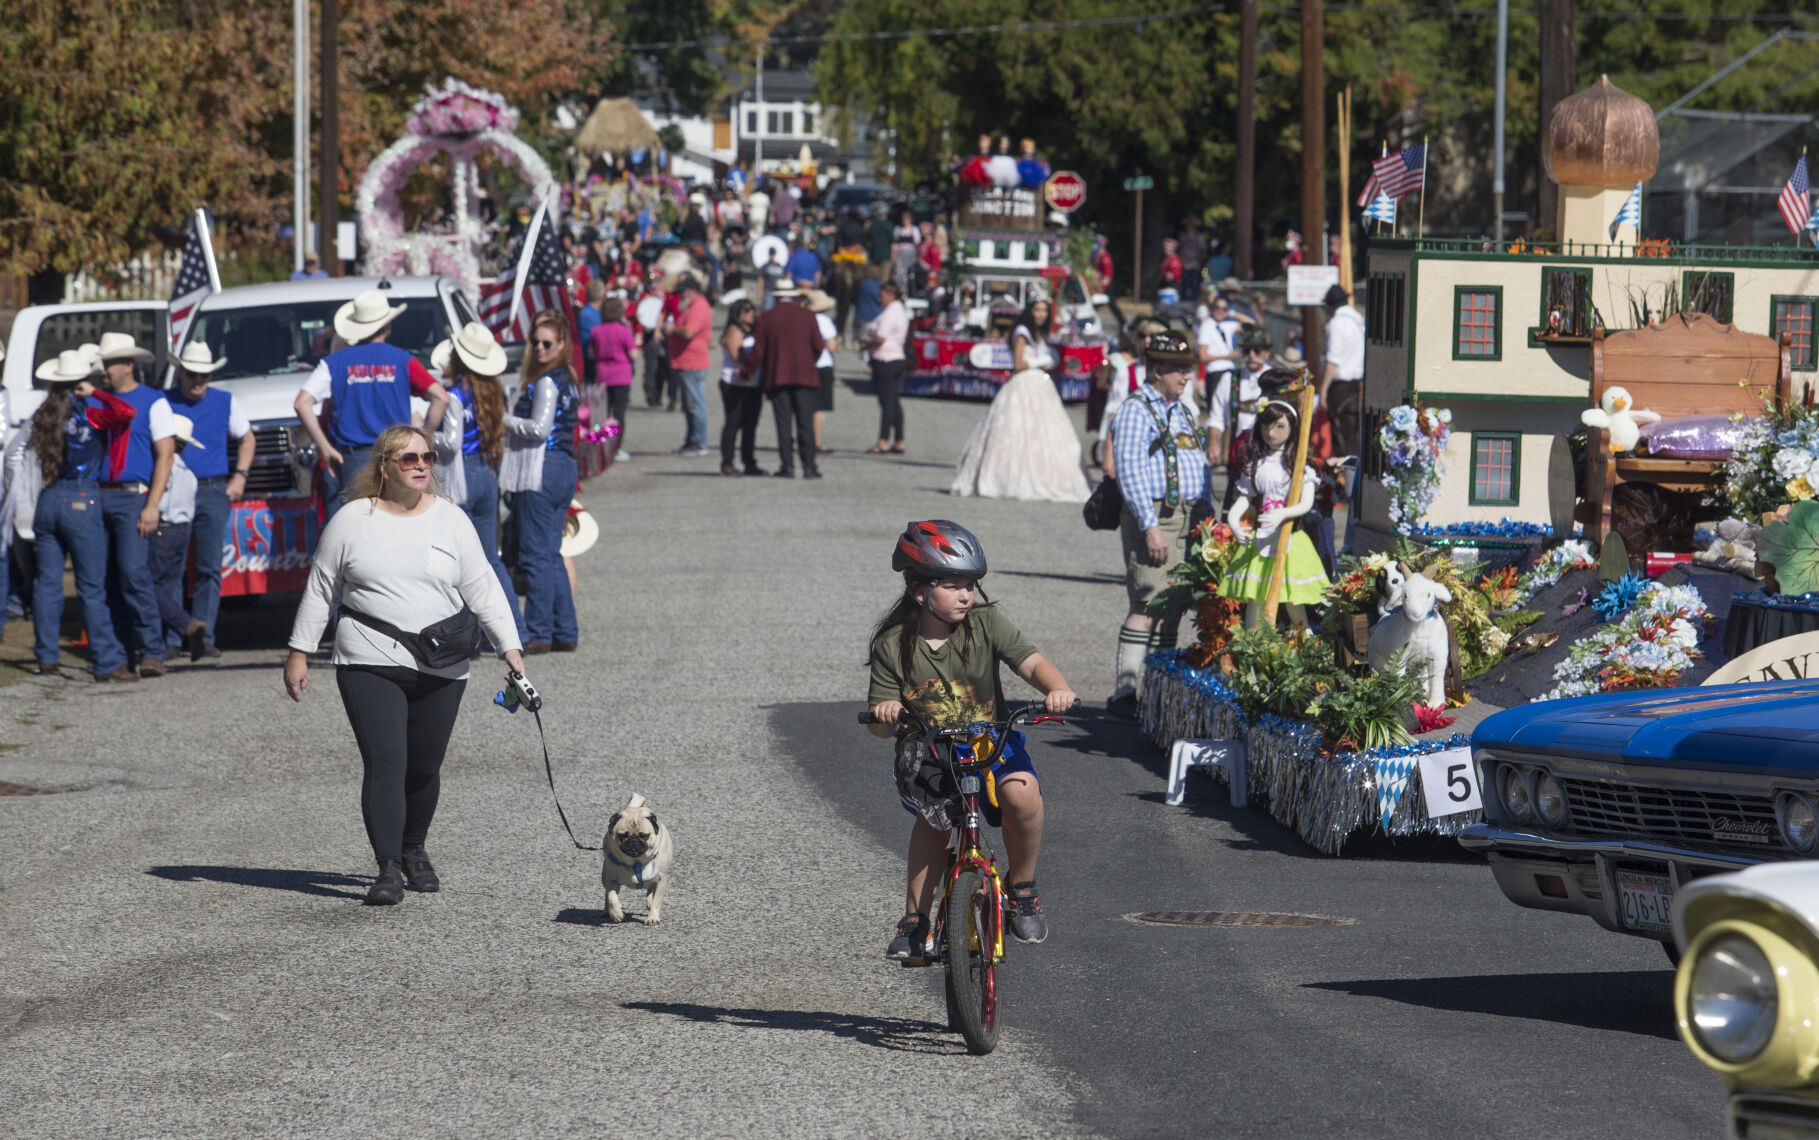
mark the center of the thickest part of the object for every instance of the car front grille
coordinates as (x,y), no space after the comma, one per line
(273,473)
(1676,816)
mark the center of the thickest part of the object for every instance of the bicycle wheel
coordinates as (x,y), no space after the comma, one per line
(971,976)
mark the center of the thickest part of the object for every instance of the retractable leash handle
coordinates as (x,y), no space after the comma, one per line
(518,693)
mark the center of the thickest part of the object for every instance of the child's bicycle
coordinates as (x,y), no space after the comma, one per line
(973,946)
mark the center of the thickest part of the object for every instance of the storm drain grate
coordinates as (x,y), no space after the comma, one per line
(1235,918)
(10,789)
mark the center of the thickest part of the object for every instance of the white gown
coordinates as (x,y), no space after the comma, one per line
(1025,447)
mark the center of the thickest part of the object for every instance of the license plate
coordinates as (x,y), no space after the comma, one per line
(1647,900)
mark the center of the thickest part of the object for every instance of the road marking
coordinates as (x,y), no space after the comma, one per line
(1235,918)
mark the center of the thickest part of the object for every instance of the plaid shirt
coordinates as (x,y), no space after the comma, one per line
(1141,462)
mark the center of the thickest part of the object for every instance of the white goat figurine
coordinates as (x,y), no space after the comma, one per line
(1421,630)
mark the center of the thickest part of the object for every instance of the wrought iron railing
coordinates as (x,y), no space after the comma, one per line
(1634,251)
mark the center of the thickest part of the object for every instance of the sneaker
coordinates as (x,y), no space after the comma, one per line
(692,452)
(622,456)
(912,944)
(419,875)
(1026,920)
(728,469)
(1121,710)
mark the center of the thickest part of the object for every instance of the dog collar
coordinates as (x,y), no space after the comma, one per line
(637,869)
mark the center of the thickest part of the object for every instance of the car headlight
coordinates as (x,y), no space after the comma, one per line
(1550,800)
(1799,821)
(1732,999)
(1512,792)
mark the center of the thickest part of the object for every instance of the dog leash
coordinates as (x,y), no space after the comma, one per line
(520,694)
(548,772)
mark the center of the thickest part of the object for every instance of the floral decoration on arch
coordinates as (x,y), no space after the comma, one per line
(1414,439)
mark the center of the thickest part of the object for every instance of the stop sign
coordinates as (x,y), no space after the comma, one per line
(1065,191)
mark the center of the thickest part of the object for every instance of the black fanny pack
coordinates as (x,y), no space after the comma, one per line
(449,642)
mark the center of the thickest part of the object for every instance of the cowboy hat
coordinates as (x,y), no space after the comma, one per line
(365,315)
(1231,284)
(67,367)
(120,346)
(184,428)
(786,292)
(818,300)
(476,346)
(580,532)
(198,359)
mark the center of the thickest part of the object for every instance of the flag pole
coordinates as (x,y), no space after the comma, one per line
(1421,210)
(524,264)
(1345,180)
(208,248)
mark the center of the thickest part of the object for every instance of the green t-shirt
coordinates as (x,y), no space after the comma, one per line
(942,689)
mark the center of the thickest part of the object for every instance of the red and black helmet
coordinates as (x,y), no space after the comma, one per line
(939,549)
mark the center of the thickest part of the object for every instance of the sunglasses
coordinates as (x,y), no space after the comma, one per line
(546,343)
(413,458)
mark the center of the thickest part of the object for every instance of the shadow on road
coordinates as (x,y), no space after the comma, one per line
(894,1033)
(323,883)
(1089,579)
(1628,1001)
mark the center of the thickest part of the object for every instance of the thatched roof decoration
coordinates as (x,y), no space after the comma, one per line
(616,127)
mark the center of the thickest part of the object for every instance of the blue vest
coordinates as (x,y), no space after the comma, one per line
(562,432)
(370,386)
(209,414)
(139,457)
(84,446)
(462,397)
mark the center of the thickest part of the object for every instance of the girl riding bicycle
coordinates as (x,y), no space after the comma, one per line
(938,652)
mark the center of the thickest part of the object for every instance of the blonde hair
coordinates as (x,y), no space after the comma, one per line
(368,483)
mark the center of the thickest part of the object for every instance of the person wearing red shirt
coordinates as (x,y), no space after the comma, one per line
(690,334)
(1171,264)
(1102,265)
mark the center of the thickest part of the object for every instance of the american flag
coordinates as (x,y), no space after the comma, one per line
(1401,173)
(1796,199)
(195,277)
(545,286)
(1368,195)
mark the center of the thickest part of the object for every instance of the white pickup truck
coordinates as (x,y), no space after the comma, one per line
(272,336)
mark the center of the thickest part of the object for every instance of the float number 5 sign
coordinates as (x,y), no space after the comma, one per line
(1450,780)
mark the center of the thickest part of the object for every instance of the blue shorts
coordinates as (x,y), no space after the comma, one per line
(932,794)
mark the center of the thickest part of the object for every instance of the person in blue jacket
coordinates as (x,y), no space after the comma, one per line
(217,418)
(539,468)
(366,388)
(139,465)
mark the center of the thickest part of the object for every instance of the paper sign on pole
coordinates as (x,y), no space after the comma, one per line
(1307,284)
(1450,781)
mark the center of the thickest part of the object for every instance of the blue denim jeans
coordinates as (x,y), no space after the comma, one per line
(694,405)
(68,522)
(131,597)
(209,530)
(549,607)
(167,556)
(353,461)
(482,507)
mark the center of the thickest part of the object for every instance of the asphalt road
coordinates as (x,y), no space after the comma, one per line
(184,952)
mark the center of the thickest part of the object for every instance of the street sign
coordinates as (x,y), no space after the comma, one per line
(1065,191)
(1140,182)
(1307,284)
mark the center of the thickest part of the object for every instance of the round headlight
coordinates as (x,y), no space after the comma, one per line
(1550,801)
(1732,999)
(1799,822)
(1512,790)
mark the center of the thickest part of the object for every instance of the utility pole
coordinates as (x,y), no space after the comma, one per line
(758,124)
(1503,61)
(1557,68)
(1244,204)
(300,212)
(1137,253)
(1313,167)
(330,206)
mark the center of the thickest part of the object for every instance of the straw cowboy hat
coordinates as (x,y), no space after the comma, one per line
(67,367)
(580,532)
(198,359)
(365,315)
(120,346)
(818,300)
(477,348)
(184,428)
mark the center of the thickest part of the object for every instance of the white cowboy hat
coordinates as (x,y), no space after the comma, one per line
(120,346)
(584,533)
(365,315)
(476,347)
(785,292)
(818,301)
(91,352)
(198,359)
(67,367)
(184,428)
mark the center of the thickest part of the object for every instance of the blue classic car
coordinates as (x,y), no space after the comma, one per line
(1608,805)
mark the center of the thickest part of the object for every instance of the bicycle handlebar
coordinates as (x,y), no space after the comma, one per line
(1028,714)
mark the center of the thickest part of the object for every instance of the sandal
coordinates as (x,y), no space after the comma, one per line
(899,449)
(877,449)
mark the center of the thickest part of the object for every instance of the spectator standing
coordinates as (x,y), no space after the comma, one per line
(784,208)
(312,270)
(785,345)
(649,314)
(803,267)
(368,387)
(138,466)
(539,467)
(1218,347)
(878,240)
(771,277)
(1343,374)
(758,207)
(819,303)
(216,418)
(612,346)
(690,334)
(404,560)
(168,548)
(1234,399)
(885,338)
(905,240)
(1193,256)
(741,398)
(586,317)
(1171,264)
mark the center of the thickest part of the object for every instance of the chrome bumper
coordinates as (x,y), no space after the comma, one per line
(1779,1115)
(1583,871)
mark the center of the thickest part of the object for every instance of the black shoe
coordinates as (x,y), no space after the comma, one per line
(728,469)
(193,640)
(1121,710)
(1026,920)
(564,646)
(418,874)
(211,651)
(911,945)
(754,469)
(815,474)
(786,473)
(388,888)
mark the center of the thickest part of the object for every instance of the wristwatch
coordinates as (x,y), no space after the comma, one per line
(242,472)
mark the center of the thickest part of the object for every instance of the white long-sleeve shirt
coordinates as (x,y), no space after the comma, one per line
(412,571)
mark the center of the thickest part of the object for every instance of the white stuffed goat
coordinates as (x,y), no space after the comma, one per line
(1420,629)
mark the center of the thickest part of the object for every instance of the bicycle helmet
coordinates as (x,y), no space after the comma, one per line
(939,549)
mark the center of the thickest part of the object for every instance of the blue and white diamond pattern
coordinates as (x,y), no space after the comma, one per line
(1392,780)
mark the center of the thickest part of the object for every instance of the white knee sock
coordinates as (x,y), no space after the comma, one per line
(1133,647)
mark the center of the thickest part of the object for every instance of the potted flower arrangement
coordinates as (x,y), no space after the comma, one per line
(1196,586)
(1413,439)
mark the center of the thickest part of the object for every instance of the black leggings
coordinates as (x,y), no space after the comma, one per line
(402,720)
(887,381)
(744,408)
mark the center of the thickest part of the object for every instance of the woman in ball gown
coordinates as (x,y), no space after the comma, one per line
(1026,446)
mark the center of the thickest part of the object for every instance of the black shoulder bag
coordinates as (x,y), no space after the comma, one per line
(447,643)
(1103,506)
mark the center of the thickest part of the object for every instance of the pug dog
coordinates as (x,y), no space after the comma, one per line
(637,857)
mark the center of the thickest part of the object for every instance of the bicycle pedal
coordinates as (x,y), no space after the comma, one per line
(908,963)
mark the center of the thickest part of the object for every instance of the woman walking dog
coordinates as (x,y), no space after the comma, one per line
(400,559)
